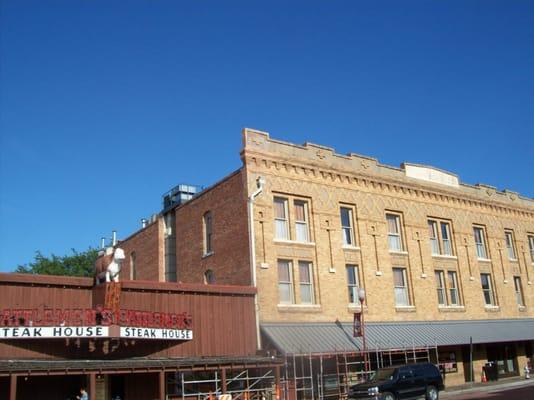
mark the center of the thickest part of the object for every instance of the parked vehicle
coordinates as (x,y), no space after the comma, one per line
(409,381)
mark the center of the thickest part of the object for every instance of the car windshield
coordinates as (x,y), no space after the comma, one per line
(383,375)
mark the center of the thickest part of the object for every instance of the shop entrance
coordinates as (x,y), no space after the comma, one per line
(116,386)
(50,387)
(504,356)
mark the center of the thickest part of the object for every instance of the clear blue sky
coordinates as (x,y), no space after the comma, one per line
(105,105)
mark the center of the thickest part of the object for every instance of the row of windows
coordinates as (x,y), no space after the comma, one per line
(447,289)
(440,231)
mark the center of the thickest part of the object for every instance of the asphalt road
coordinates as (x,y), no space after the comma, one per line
(520,393)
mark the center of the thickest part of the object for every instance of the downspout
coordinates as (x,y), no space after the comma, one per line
(260,182)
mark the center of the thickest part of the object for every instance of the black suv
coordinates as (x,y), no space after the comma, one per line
(410,381)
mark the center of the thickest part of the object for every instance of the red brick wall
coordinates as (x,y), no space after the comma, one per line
(230,259)
(148,246)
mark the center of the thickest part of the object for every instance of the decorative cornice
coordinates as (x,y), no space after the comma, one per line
(385,183)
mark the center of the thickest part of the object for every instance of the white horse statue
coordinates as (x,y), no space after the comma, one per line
(108,265)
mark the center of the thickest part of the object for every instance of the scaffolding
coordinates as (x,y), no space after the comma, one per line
(303,376)
(244,384)
(326,376)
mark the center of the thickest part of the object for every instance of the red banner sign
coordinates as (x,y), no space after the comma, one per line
(94,317)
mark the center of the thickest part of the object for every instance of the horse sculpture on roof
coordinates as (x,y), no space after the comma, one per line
(108,265)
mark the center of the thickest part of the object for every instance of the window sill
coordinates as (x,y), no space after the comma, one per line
(405,308)
(484,259)
(282,241)
(451,308)
(522,308)
(397,252)
(306,308)
(349,247)
(513,260)
(444,256)
(356,307)
(206,255)
(492,308)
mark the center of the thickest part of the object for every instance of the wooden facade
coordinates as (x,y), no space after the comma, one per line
(223,325)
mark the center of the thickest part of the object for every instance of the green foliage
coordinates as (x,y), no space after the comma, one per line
(77,264)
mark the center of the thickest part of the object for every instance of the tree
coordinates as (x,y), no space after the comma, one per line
(77,264)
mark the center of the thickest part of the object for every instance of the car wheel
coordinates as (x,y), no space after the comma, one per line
(431,393)
(388,396)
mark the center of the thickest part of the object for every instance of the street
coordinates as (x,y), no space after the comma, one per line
(514,393)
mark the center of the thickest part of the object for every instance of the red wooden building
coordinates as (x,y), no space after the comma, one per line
(133,340)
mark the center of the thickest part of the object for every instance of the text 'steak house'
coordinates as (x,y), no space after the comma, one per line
(291,237)
(442,263)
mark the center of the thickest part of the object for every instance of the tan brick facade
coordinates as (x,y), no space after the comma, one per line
(327,181)
(412,208)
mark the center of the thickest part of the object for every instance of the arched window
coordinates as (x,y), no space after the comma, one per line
(209,277)
(207,228)
(132,265)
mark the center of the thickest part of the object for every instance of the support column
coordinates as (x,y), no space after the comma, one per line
(92,385)
(223,380)
(161,385)
(277,388)
(12,387)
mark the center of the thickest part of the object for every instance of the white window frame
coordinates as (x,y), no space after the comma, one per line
(489,290)
(531,247)
(347,231)
(434,237)
(286,283)
(454,291)
(283,223)
(441,288)
(353,287)
(302,227)
(446,243)
(481,247)
(519,292)
(207,224)
(395,242)
(306,286)
(510,244)
(402,290)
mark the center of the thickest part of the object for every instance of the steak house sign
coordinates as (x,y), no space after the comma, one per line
(43,323)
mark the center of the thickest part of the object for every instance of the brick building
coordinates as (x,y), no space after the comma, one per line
(442,263)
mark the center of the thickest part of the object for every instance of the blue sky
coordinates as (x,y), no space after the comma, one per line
(105,105)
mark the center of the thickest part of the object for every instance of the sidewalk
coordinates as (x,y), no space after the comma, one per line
(487,386)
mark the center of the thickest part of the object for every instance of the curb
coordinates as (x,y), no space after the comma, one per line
(487,388)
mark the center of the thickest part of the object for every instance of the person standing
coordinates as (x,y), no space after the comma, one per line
(83,394)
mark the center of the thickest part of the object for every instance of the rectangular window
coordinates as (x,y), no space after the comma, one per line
(401,287)
(347,226)
(446,238)
(353,283)
(280,219)
(518,291)
(480,242)
(452,283)
(510,245)
(433,233)
(394,232)
(301,221)
(531,247)
(208,233)
(285,282)
(306,282)
(132,266)
(487,289)
(440,237)
(440,286)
